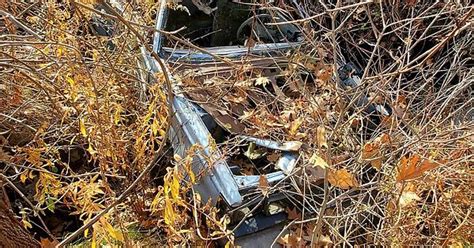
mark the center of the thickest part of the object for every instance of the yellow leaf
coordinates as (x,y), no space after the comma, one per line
(91,150)
(82,128)
(211,143)
(295,125)
(24,176)
(318,161)
(86,232)
(177,157)
(321,136)
(26,224)
(34,156)
(31,175)
(175,188)
(70,82)
(118,110)
(116,234)
(154,127)
(59,51)
(342,179)
(254,153)
(94,242)
(169,212)
(188,166)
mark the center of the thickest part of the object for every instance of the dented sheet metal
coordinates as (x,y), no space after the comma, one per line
(189,129)
(282,146)
(229,52)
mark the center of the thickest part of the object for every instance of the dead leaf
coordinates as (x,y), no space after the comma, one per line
(273,157)
(315,174)
(253,153)
(263,184)
(321,137)
(325,74)
(410,167)
(295,125)
(369,150)
(316,160)
(293,214)
(372,151)
(376,163)
(384,139)
(407,198)
(411,3)
(82,128)
(289,240)
(47,243)
(342,179)
(323,241)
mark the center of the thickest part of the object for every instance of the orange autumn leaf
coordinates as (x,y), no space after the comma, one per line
(325,74)
(411,167)
(376,163)
(342,179)
(372,151)
(47,243)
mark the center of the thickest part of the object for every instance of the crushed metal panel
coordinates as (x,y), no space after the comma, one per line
(187,129)
(229,52)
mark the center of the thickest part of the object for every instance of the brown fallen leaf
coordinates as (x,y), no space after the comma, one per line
(289,240)
(263,184)
(372,151)
(293,214)
(377,163)
(273,157)
(47,243)
(411,168)
(342,179)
